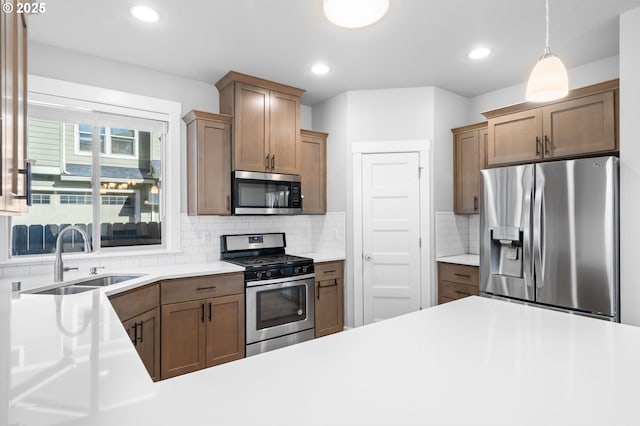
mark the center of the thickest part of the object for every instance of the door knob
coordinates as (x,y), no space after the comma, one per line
(367,257)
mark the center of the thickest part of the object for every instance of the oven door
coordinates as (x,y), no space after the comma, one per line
(265,193)
(279,307)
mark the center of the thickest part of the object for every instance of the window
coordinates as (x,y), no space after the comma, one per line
(40,199)
(110,198)
(113,141)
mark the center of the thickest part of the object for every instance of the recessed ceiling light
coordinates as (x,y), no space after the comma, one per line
(145,14)
(320,69)
(479,53)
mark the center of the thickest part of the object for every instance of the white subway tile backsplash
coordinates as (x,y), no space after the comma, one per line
(457,234)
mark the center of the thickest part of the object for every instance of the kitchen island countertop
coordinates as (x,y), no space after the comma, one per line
(68,361)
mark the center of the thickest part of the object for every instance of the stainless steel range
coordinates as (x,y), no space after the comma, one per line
(278,288)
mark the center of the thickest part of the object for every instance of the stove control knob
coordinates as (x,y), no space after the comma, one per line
(305,269)
(296,270)
(268,273)
(258,275)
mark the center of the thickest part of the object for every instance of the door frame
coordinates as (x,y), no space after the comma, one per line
(423,148)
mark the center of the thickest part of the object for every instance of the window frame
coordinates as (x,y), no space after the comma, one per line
(108,143)
(43,90)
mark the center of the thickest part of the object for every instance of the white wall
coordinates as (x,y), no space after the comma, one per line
(379,115)
(629,167)
(61,64)
(584,75)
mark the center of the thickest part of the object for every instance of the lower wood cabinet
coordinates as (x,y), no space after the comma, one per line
(140,315)
(202,322)
(457,281)
(329,297)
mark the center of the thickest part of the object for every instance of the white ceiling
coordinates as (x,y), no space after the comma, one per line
(418,43)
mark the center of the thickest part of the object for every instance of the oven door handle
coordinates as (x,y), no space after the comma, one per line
(261,283)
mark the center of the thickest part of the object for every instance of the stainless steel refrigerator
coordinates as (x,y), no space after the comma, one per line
(549,235)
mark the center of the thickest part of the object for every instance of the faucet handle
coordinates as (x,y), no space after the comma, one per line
(67,268)
(94,270)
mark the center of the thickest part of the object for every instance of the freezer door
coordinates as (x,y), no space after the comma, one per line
(575,226)
(505,232)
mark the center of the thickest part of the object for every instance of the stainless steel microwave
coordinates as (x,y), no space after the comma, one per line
(255,193)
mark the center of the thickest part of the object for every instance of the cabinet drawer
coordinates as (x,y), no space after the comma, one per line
(463,274)
(135,302)
(328,270)
(451,290)
(185,289)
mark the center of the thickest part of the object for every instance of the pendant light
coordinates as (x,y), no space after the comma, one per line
(548,80)
(355,13)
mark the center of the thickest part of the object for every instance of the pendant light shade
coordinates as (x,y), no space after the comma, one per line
(355,13)
(548,80)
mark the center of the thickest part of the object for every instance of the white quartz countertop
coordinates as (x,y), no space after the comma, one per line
(66,360)
(461,259)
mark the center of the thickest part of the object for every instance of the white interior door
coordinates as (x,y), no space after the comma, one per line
(390,234)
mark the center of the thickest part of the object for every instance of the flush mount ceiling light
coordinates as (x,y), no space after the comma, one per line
(548,80)
(320,69)
(355,13)
(479,53)
(145,14)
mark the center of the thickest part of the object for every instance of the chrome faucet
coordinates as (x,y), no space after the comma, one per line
(59,269)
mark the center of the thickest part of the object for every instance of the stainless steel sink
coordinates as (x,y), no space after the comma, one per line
(69,289)
(105,280)
(89,283)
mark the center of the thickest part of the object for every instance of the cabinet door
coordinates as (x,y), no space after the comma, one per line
(313,173)
(466,172)
(13,94)
(209,162)
(329,309)
(251,128)
(225,329)
(515,138)
(144,331)
(284,137)
(580,126)
(183,338)
(329,298)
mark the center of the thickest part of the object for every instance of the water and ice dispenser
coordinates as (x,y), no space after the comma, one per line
(506,251)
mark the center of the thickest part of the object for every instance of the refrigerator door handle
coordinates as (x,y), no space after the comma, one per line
(527,186)
(538,230)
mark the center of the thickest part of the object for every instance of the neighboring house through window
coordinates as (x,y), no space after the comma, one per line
(101,167)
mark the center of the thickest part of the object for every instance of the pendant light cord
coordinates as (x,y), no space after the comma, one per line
(547,50)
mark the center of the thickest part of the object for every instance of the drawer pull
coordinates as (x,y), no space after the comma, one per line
(139,338)
(205,288)
(210,311)
(202,315)
(330,272)
(462,275)
(335,283)
(463,293)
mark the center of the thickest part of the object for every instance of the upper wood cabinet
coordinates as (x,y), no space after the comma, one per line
(13,112)
(208,163)
(469,144)
(583,123)
(266,123)
(313,171)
